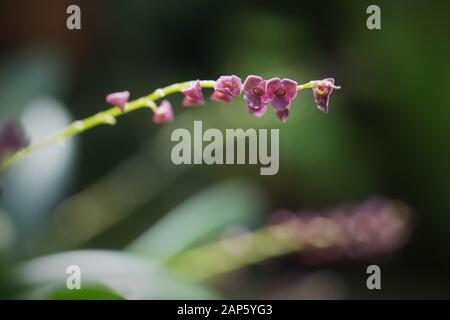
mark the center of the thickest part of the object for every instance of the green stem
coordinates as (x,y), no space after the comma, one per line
(109,116)
(208,261)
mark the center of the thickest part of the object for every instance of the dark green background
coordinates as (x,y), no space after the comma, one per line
(387,132)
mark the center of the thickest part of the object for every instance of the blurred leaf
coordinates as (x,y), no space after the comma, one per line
(126,275)
(28,75)
(44,177)
(7,232)
(87,292)
(229,203)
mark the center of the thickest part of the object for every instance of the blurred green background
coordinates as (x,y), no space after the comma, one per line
(115,188)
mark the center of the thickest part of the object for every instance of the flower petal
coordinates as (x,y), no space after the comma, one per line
(322,90)
(193,94)
(258,112)
(253,101)
(280,103)
(283,114)
(321,100)
(331,83)
(118,99)
(252,82)
(221,97)
(230,85)
(188,101)
(271,86)
(291,88)
(237,85)
(163,113)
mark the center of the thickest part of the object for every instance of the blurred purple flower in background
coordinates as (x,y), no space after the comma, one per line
(11,138)
(374,227)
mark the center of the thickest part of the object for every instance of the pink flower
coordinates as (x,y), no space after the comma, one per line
(193,94)
(221,97)
(226,88)
(163,113)
(254,95)
(258,112)
(283,114)
(322,90)
(280,93)
(118,99)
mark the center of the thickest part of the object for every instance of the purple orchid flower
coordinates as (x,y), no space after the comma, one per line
(11,140)
(280,93)
(322,90)
(193,94)
(163,113)
(118,99)
(255,95)
(226,88)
